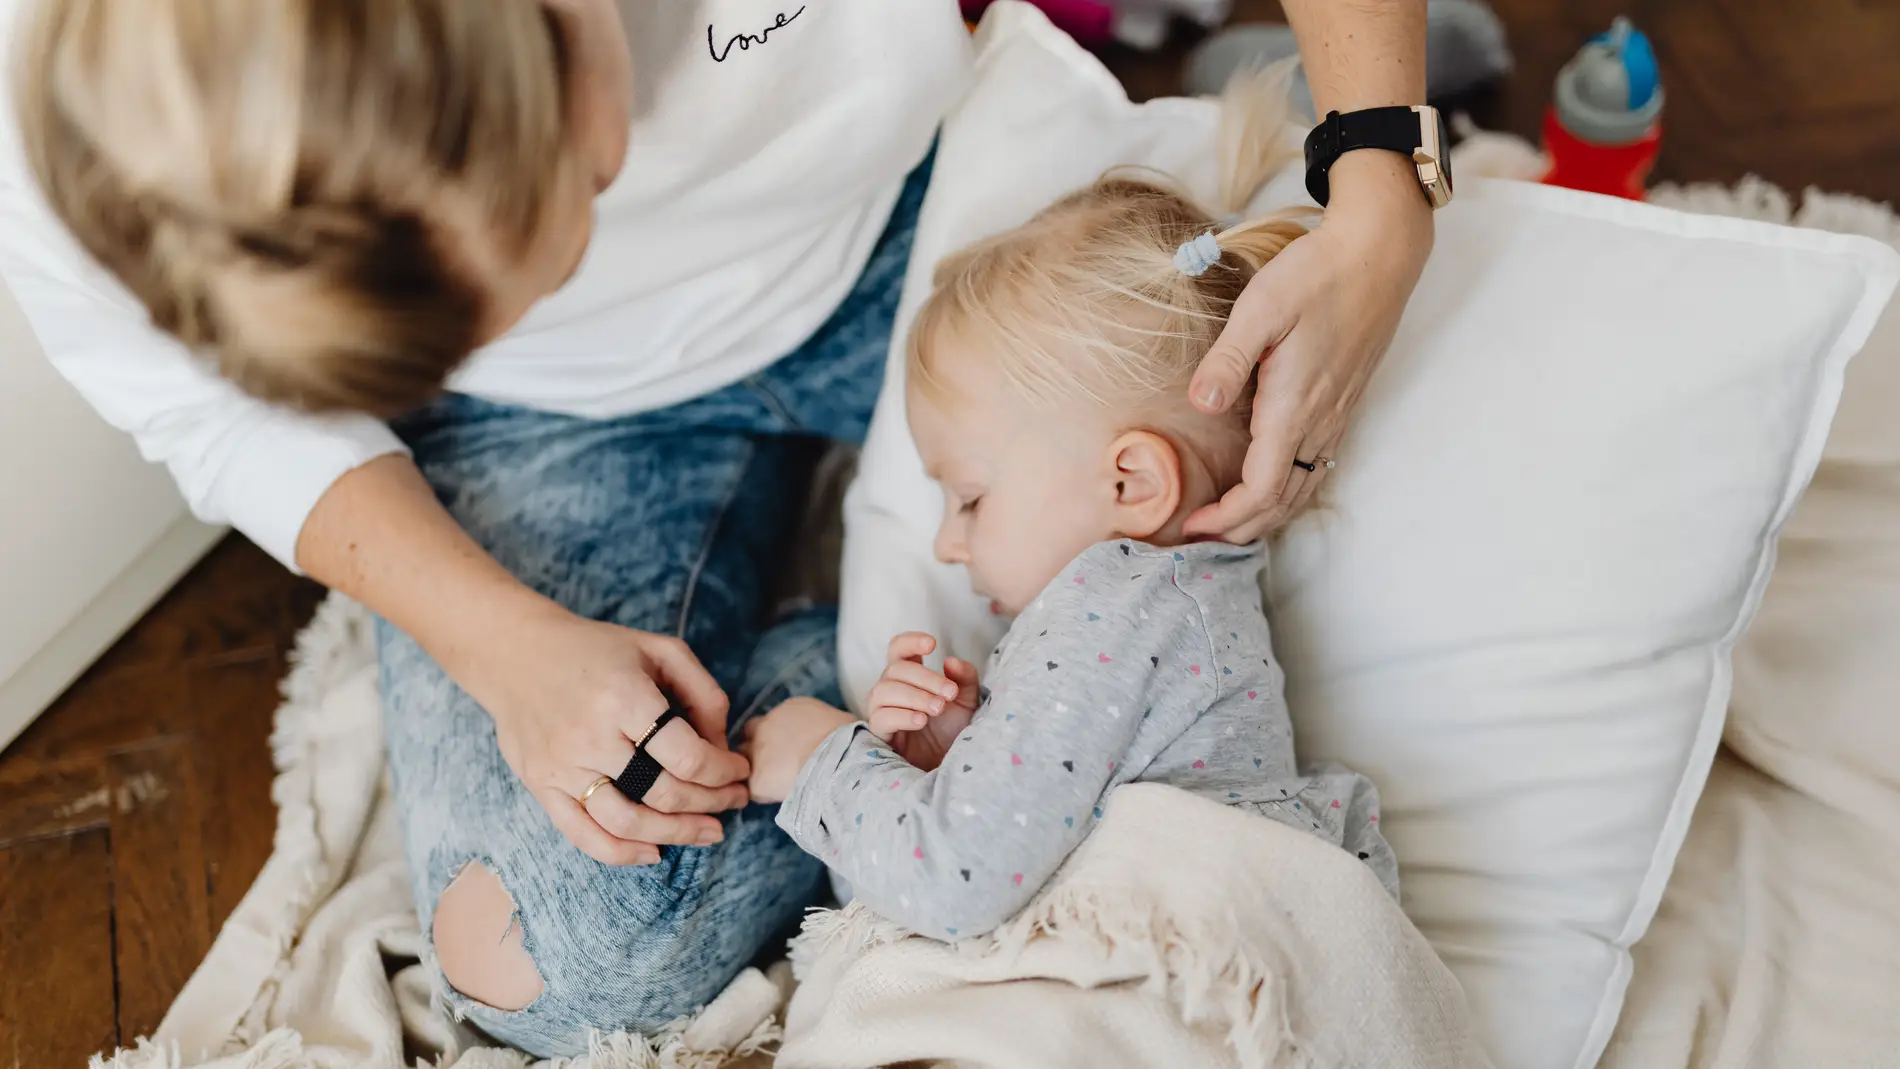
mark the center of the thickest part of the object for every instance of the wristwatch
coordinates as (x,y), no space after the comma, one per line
(1418,132)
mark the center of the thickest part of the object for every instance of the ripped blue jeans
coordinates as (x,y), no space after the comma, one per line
(674,522)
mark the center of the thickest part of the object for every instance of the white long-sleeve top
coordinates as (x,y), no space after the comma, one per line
(762,168)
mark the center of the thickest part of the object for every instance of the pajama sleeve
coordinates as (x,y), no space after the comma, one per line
(1105,664)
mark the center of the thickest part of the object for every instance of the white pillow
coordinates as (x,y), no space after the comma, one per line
(1553,518)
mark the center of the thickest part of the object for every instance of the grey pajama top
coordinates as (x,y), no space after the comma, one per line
(1136,664)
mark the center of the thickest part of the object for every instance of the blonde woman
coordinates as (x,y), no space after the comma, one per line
(510,320)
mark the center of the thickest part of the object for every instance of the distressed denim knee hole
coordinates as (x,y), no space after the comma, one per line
(478,942)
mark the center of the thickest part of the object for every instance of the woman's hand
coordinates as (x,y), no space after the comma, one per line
(1315,321)
(570,698)
(918,711)
(780,742)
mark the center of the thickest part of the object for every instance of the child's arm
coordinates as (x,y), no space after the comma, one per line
(1102,678)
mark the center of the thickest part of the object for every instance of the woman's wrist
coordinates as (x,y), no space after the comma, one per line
(1377,182)
(1376,197)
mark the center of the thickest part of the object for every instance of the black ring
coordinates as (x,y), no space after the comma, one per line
(1304,466)
(643,771)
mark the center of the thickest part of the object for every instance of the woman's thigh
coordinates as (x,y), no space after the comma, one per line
(653,527)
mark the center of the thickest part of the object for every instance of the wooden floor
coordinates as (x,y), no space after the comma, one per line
(137,811)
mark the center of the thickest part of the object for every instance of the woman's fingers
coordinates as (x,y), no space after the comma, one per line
(623,819)
(689,757)
(670,794)
(678,672)
(1310,485)
(911,645)
(585,832)
(1297,488)
(1266,477)
(1258,321)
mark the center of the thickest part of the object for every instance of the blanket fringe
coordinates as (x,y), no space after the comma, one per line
(625,1050)
(338,642)
(283,1049)
(1203,973)
(834,934)
(280,1049)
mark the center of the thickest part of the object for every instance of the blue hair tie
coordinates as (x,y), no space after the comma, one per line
(1195,257)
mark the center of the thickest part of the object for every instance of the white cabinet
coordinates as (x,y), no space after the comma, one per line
(90,534)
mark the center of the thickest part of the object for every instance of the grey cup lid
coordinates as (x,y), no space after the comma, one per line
(1608,94)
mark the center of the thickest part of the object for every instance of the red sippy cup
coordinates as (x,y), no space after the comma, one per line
(1604,126)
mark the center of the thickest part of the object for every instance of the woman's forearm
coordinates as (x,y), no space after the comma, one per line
(380,536)
(1367,54)
(1361,53)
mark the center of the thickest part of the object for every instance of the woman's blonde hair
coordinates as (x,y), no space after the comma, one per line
(1085,303)
(266,176)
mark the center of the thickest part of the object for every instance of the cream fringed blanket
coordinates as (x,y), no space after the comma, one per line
(1183,933)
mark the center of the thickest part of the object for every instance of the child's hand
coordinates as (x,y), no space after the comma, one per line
(778,743)
(918,711)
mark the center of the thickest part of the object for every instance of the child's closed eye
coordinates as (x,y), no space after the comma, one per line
(969,506)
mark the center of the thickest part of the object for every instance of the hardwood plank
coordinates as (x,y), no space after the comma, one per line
(237,607)
(237,604)
(162,926)
(106,711)
(234,706)
(44,799)
(56,978)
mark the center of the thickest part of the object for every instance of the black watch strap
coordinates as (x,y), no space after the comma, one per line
(1392,128)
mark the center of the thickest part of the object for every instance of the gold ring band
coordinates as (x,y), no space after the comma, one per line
(592,787)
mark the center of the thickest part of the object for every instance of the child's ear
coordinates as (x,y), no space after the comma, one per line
(1147,474)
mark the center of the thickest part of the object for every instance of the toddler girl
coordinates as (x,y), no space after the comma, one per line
(1048,396)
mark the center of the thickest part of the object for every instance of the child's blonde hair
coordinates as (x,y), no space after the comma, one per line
(264,175)
(1085,302)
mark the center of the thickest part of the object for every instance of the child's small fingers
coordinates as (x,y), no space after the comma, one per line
(885,722)
(892,694)
(911,645)
(916,675)
(960,671)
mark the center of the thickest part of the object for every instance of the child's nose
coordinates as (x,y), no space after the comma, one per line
(949,546)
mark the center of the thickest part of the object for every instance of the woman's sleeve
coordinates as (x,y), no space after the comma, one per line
(1106,668)
(237,460)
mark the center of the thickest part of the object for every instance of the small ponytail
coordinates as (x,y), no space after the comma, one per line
(1112,296)
(1256,144)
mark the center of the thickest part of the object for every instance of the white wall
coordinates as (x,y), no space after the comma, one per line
(90,534)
